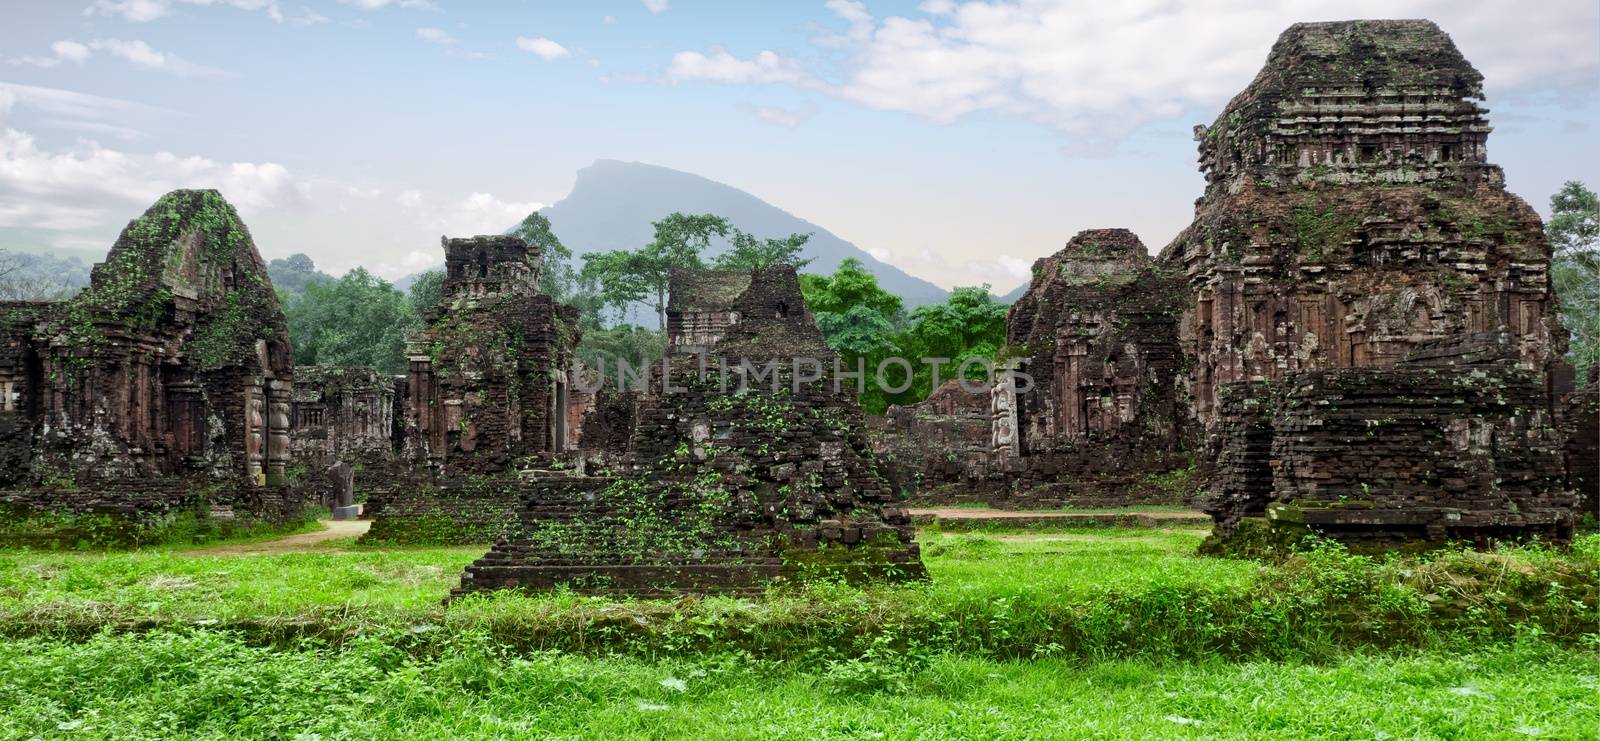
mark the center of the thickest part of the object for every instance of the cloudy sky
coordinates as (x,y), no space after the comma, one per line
(957,140)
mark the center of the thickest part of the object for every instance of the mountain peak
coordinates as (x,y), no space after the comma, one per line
(613,203)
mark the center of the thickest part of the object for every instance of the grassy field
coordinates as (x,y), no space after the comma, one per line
(1102,632)
(207,684)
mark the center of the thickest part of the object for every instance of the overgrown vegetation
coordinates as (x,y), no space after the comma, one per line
(1574,232)
(212,684)
(1093,594)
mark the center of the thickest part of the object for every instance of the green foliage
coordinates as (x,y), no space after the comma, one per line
(865,323)
(637,346)
(293,273)
(1574,232)
(1093,594)
(625,277)
(359,319)
(558,278)
(747,252)
(425,292)
(1319,230)
(97,531)
(209,684)
(1019,635)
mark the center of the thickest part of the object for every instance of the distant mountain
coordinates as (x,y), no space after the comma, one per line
(612,204)
(1015,293)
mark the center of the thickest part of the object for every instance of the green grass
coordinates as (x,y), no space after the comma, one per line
(1098,593)
(1098,633)
(208,684)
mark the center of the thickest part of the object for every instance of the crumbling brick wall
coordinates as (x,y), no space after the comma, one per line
(488,379)
(1369,301)
(1579,418)
(730,484)
(174,362)
(1097,331)
(1350,214)
(341,413)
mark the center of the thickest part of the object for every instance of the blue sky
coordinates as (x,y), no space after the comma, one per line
(959,141)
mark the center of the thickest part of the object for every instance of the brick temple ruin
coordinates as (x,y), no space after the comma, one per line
(1373,336)
(1356,335)
(343,414)
(162,389)
(734,480)
(487,394)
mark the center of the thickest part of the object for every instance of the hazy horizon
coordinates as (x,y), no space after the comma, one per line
(956,141)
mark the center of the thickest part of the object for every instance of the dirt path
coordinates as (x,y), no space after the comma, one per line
(300,542)
(961,517)
(964,513)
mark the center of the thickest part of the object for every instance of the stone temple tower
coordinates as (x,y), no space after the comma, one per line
(1351,214)
(1373,342)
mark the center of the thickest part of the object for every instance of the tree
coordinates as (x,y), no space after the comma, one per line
(426,291)
(25,277)
(856,316)
(859,320)
(293,273)
(749,252)
(969,324)
(358,319)
(1574,232)
(643,276)
(558,277)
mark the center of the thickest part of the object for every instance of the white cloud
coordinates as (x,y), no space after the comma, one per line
(74,105)
(82,195)
(141,54)
(880,254)
(1104,69)
(308,17)
(785,117)
(543,47)
(60,51)
(609,20)
(720,66)
(1002,272)
(136,52)
(142,11)
(381,4)
(435,36)
(656,7)
(91,184)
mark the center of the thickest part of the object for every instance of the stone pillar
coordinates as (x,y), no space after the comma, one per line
(277,459)
(341,477)
(254,435)
(1003,408)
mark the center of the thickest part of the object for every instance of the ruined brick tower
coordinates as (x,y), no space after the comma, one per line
(176,357)
(1351,213)
(1098,333)
(740,476)
(488,376)
(1373,335)
(171,373)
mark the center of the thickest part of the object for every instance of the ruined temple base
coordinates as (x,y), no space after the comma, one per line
(130,512)
(603,535)
(1395,458)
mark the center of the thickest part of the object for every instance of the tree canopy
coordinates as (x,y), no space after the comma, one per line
(1574,232)
(358,319)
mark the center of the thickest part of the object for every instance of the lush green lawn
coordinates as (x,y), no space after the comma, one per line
(207,684)
(1097,593)
(171,586)
(1108,633)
